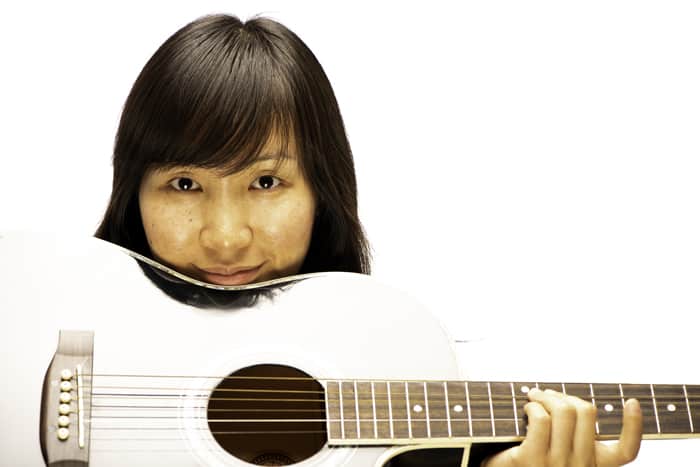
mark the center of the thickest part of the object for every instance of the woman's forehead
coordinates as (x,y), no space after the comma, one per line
(235,154)
(277,149)
(271,155)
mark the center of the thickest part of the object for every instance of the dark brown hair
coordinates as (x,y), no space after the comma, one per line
(211,96)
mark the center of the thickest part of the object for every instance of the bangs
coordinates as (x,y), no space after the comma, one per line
(223,96)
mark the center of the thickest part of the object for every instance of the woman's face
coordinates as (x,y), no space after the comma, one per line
(251,226)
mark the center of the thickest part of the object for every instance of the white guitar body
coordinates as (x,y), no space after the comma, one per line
(320,326)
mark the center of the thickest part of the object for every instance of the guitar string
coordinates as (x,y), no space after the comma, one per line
(630,390)
(301,420)
(607,430)
(439,400)
(413,421)
(417,423)
(369,437)
(370,380)
(382,385)
(608,421)
(628,387)
(610,429)
(381,408)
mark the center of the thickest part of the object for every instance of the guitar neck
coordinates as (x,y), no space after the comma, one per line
(363,412)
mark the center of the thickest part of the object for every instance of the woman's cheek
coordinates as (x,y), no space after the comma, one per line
(169,231)
(286,230)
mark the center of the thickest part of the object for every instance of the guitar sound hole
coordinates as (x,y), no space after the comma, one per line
(258,414)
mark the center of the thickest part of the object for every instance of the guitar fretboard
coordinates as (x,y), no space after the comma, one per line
(379,412)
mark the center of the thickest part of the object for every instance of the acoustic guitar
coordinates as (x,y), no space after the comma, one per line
(136,365)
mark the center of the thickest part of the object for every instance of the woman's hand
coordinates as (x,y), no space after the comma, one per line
(561,433)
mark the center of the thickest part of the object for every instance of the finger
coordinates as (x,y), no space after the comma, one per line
(563,424)
(631,436)
(626,450)
(584,436)
(536,442)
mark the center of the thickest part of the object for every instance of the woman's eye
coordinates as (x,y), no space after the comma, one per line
(184,184)
(266,182)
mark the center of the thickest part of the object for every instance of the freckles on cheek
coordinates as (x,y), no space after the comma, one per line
(168,231)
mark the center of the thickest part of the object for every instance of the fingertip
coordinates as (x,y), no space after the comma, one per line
(633,406)
(534,392)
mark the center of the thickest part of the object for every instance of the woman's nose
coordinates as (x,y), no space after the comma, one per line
(226,231)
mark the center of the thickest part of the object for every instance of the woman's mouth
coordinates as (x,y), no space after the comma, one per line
(219,276)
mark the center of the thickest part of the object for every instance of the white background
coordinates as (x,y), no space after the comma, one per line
(528,170)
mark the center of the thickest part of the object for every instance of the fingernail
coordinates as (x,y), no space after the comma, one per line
(634,405)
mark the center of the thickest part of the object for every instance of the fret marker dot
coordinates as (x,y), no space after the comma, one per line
(671,407)
(524,389)
(609,407)
(417,408)
(458,408)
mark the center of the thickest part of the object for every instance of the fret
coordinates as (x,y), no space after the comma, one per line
(397,398)
(687,406)
(457,402)
(480,409)
(623,397)
(381,405)
(521,390)
(333,410)
(597,423)
(469,409)
(447,410)
(365,409)
(342,417)
(515,410)
(672,409)
(642,392)
(427,408)
(348,412)
(416,404)
(609,404)
(502,404)
(408,410)
(374,409)
(694,406)
(656,408)
(437,415)
(357,408)
(493,424)
(391,412)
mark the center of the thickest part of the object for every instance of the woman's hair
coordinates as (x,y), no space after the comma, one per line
(212,96)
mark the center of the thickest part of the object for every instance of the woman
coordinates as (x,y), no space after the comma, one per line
(231,165)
